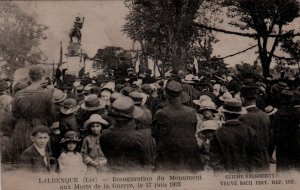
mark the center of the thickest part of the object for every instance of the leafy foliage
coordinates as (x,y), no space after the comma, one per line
(20,36)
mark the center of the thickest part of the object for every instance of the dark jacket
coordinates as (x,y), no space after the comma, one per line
(286,137)
(31,160)
(174,132)
(67,123)
(148,80)
(232,147)
(260,122)
(127,149)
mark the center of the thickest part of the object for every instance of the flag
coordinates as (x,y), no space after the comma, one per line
(61,53)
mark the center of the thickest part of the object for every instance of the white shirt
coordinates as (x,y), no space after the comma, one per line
(42,153)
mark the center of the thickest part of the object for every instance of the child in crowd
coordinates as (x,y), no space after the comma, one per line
(67,120)
(207,130)
(55,139)
(36,157)
(70,161)
(91,151)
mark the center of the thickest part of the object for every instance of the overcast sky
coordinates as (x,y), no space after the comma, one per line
(103,24)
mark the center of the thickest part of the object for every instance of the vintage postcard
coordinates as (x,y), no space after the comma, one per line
(150,94)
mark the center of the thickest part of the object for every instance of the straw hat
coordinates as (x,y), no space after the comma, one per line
(226,96)
(59,96)
(95,118)
(124,108)
(92,103)
(69,106)
(233,106)
(208,105)
(201,99)
(136,97)
(270,110)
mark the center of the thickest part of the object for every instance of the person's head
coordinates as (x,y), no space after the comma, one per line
(207,109)
(232,109)
(173,89)
(70,140)
(249,95)
(5,103)
(40,136)
(94,124)
(216,89)
(55,128)
(36,73)
(105,94)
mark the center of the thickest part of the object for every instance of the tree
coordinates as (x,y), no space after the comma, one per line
(293,49)
(20,36)
(265,17)
(168,21)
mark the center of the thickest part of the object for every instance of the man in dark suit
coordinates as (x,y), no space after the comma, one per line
(148,79)
(260,122)
(174,131)
(36,157)
(232,147)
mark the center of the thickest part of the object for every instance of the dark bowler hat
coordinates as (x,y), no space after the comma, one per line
(249,91)
(297,98)
(286,96)
(92,103)
(174,86)
(136,97)
(233,106)
(124,108)
(69,106)
(148,71)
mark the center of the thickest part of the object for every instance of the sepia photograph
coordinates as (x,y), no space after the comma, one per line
(150,94)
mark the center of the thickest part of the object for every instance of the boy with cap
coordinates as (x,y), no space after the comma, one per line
(36,157)
(231,147)
(260,122)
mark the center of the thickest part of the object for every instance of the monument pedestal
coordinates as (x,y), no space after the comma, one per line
(75,59)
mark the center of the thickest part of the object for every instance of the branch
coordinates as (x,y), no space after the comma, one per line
(245,34)
(234,53)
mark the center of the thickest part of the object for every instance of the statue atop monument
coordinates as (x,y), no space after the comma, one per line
(75,31)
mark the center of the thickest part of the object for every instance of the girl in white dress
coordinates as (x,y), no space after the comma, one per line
(70,161)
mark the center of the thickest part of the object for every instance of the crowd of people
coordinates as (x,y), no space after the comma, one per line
(182,122)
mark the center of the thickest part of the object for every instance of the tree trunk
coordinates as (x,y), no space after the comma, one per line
(265,63)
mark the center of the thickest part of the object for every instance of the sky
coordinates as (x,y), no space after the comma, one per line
(103,25)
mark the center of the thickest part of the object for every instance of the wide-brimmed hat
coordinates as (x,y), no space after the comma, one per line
(282,85)
(69,106)
(270,110)
(59,96)
(136,97)
(208,105)
(209,125)
(226,96)
(286,96)
(95,118)
(174,86)
(110,86)
(55,125)
(189,79)
(127,90)
(70,136)
(233,106)
(92,103)
(201,99)
(124,108)
(146,87)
